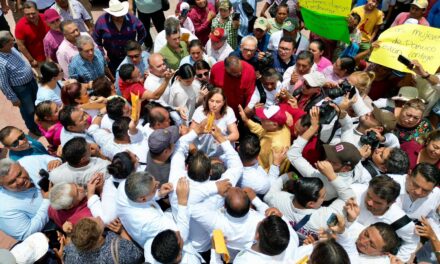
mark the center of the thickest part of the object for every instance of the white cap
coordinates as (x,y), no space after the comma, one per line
(315,79)
(31,249)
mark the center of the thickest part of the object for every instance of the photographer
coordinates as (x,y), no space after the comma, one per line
(310,92)
(250,53)
(343,157)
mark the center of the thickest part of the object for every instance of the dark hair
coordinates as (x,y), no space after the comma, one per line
(397,162)
(217,169)
(274,235)
(428,171)
(433,136)
(186,71)
(305,55)
(121,165)
(85,234)
(289,39)
(201,65)
(195,43)
(385,187)
(115,107)
(320,43)
(132,45)
(49,70)
(125,71)
(348,63)
(210,94)
(232,60)
(102,86)
(120,127)
(199,166)
(4,132)
(283,5)
(356,16)
(74,150)
(249,147)
(329,252)
(30,4)
(238,209)
(389,236)
(43,109)
(307,190)
(70,93)
(65,115)
(165,247)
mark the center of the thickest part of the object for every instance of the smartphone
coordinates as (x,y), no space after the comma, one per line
(405,61)
(184,37)
(44,184)
(184,13)
(352,92)
(52,235)
(332,220)
(236,16)
(417,222)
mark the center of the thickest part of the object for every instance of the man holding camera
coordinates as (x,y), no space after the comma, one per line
(310,92)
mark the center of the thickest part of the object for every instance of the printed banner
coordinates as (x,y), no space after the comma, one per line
(328,26)
(330,7)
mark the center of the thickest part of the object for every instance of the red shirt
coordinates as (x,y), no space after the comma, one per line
(72,215)
(201,25)
(237,90)
(32,36)
(128,88)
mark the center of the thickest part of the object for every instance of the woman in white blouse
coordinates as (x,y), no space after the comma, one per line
(225,120)
(184,91)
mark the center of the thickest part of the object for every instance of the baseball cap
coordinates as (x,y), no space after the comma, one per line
(217,34)
(315,79)
(261,23)
(290,24)
(31,249)
(406,93)
(420,3)
(224,4)
(385,118)
(271,113)
(344,153)
(50,15)
(161,139)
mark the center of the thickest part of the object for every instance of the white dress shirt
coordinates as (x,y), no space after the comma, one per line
(69,174)
(152,83)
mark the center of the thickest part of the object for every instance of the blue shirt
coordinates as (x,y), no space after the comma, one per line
(279,65)
(14,71)
(24,213)
(264,43)
(142,66)
(85,71)
(36,148)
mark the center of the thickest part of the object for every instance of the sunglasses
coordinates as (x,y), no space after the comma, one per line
(17,141)
(200,75)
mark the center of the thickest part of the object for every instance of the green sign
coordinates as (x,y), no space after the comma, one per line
(327,26)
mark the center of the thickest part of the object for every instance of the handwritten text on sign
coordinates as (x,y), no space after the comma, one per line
(415,42)
(330,7)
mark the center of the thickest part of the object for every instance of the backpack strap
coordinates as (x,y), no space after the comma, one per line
(401,222)
(261,92)
(302,223)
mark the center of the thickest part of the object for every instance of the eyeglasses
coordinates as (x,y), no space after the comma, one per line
(200,75)
(17,141)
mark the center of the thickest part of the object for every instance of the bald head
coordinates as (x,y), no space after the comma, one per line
(159,118)
(237,203)
(157,64)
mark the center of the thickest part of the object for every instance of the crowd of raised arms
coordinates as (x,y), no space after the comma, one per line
(235,134)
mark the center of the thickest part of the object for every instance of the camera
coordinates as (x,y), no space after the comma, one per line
(266,61)
(207,85)
(343,88)
(297,92)
(326,113)
(370,139)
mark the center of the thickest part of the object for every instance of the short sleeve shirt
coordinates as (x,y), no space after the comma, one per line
(32,35)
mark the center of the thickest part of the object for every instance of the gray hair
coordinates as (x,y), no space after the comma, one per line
(82,40)
(60,196)
(5,165)
(171,22)
(5,36)
(138,184)
(249,38)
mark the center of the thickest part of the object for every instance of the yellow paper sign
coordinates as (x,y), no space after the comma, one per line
(135,107)
(329,7)
(414,42)
(220,244)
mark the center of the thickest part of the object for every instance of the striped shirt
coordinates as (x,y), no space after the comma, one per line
(86,71)
(14,71)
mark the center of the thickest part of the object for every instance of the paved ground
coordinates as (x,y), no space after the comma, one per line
(10,115)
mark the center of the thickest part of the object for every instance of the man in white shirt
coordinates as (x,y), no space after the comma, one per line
(142,216)
(159,76)
(217,46)
(75,123)
(293,77)
(79,166)
(160,41)
(198,171)
(291,28)
(377,204)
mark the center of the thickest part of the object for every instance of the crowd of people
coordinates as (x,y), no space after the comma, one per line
(229,137)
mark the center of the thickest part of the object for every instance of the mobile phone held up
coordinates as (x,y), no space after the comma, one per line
(332,220)
(405,61)
(44,181)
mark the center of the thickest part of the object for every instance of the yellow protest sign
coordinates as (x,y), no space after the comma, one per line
(329,7)
(415,42)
